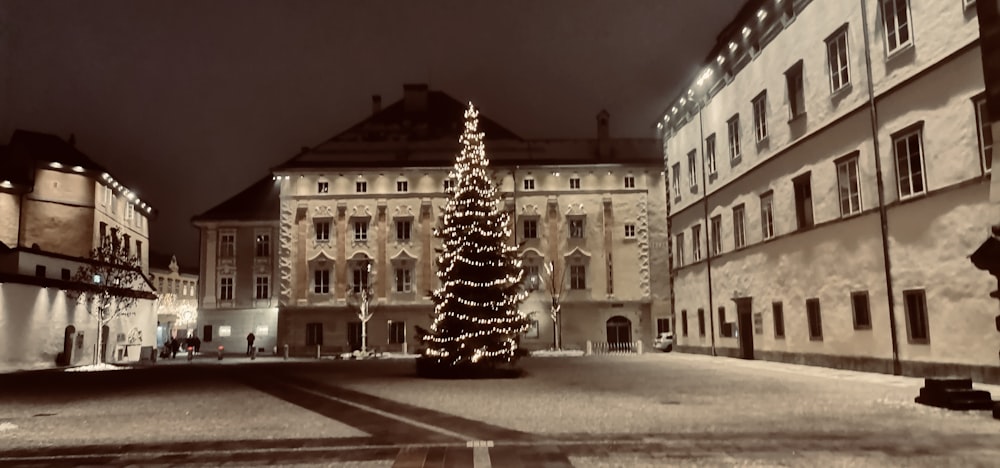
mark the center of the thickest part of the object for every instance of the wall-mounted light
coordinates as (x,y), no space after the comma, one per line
(6,184)
(55,165)
(77,169)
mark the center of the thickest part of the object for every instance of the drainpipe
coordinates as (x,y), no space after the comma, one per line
(883,218)
(708,250)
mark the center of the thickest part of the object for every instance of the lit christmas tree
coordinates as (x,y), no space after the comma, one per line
(476,319)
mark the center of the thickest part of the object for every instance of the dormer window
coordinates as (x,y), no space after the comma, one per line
(529,183)
(322,187)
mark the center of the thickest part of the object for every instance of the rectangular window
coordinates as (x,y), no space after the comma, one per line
(679,246)
(314,334)
(206,333)
(403,230)
(361,230)
(66,274)
(684,323)
(710,153)
(734,137)
(263,245)
(577,277)
(360,276)
(322,230)
(985,134)
(692,169)
(909,164)
(574,183)
(402,186)
(760,116)
(261,330)
(662,325)
(739,226)
(629,181)
(715,236)
(701,322)
(361,186)
(529,184)
(837,59)
(778,314)
(917,329)
(576,228)
(322,187)
(227,245)
(803,201)
(862,314)
(725,330)
(767,215)
(226,288)
(225,331)
(630,231)
(796,91)
(138,250)
(129,212)
(896,17)
(696,242)
(530,229)
(397,332)
(449,184)
(40,271)
(815,319)
(114,204)
(848,186)
(403,282)
(262,290)
(675,174)
(321,281)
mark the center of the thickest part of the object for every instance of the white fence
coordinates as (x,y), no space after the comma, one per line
(603,347)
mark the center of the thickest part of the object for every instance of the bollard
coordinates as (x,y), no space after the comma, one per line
(317,351)
(638,347)
(253,353)
(190,353)
(590,348)
(286,352)
(221,349)
(404,348)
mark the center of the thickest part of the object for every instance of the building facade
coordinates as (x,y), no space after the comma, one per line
(176,298)
(56,205)
(238,270)
(828,178)
(373,194)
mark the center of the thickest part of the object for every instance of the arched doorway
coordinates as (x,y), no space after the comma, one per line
(619,330)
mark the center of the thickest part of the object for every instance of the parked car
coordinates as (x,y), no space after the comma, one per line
(664,342)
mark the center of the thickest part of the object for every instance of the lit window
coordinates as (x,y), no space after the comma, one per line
(225,331)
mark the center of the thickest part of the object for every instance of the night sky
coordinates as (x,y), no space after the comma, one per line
(190,102)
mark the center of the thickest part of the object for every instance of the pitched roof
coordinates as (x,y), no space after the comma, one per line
(258,202)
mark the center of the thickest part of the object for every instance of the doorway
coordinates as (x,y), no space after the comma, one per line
(619,330)
(744,317)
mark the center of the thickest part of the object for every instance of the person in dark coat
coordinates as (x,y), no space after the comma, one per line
(250,339)
(174,347)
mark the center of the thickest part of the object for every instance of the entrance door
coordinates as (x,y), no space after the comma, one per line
(619,330)
(105,333)
(744,317)
(66,357)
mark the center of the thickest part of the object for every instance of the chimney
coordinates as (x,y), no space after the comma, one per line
(414,97)
(603,135)
(376,103)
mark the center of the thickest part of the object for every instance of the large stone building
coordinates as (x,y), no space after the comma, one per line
(56,205)
(829,176)
(594,207)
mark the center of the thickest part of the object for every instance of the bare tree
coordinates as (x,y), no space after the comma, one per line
(362,295)
(105,284)
(555,284)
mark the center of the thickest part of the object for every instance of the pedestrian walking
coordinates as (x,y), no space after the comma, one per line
(250,339)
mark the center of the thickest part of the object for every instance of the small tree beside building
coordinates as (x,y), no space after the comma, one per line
(106,285)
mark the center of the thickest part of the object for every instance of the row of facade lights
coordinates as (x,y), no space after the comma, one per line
(708,72)
(128,193)
(360,177)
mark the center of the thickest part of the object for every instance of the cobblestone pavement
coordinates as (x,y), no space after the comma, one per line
(629,411)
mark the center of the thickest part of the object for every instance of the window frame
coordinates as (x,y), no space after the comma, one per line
(853,194)
(322,186)
(262,245)
(839,74)
(531,233)
(710,154)
(402,186)
(891,51)
(574,183)
(805,216)
(759,105)
(404,227)
(767,215)
(692,158)
(227,287)
(629,231)
(778,316)
(528,183)
(814,319)
(321,227)
(361,186)
(733,129)
(577,277)
(679,247)
(696,242)
(629,181)
(921,318)
(915,130)
(715,236)
(360,230)
(577,227)
(865,324)
(321,280)
(227,239)
(403,280)
(739,226)
(796,88)
(983,129)
(675,178)
(262,287)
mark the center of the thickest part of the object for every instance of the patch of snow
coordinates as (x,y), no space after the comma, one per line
(6,426)
(398,356)
(557,353)
(96,368)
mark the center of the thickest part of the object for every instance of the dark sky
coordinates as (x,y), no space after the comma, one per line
(191,101)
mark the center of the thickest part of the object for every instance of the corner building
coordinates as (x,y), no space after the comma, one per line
(828,178)
(374,192)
